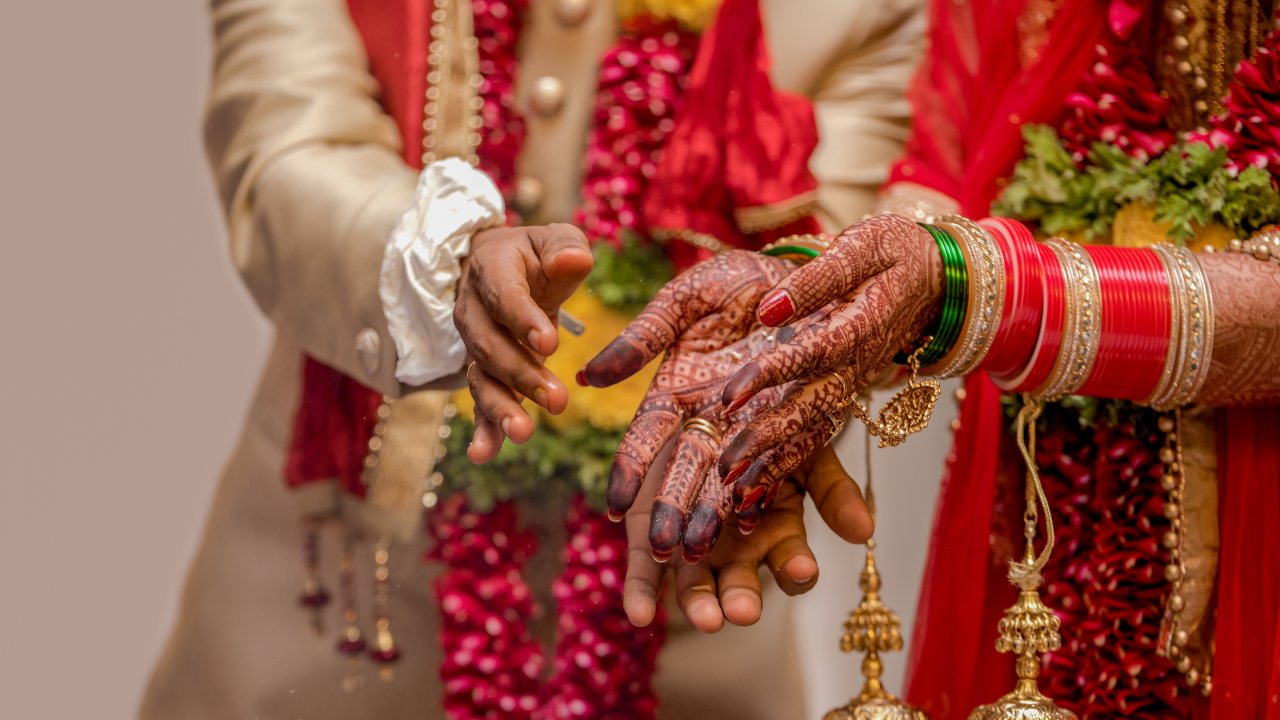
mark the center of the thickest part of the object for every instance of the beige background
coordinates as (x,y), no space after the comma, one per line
(128,348)
(128,351)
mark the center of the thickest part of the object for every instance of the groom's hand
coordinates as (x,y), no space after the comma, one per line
(725,584)
(509,297)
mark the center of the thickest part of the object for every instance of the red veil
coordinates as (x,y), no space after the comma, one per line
(994,65)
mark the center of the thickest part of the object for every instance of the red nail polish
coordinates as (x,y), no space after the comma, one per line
(736,404)
(663,556)
(777,309)
(615,516)
(736,472)
(581,377)
(752,499)
(691,559)
(746,528)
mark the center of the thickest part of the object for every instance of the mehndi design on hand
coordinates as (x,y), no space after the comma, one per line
(887,275)
(705,321)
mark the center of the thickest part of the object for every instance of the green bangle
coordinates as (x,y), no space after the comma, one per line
(945,330)
(955,294)
(782,250)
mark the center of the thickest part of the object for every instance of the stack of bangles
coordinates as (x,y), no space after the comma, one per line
(1056,318)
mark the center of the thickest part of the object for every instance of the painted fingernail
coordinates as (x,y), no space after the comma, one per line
(535,340)
(541,397)
(753,497)
(581,377)
(736,472)
(615,516)
(666,527)
(691,559)
(743,382)
(739,403)
(663,556)
(776,309)
(746,528)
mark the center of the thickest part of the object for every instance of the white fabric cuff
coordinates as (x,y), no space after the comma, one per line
(423,262)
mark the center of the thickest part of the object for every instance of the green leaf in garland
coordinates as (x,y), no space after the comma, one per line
(1189,186)
(627,280)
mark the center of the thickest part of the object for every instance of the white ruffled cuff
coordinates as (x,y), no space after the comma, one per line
(423,262)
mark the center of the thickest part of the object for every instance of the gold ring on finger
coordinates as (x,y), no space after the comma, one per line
(703,425)
(837,424)
(844,386)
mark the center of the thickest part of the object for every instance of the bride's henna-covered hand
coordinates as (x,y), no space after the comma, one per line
(705,321)
(886,274)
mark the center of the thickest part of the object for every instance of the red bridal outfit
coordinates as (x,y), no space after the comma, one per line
(1132,74)
(321,115)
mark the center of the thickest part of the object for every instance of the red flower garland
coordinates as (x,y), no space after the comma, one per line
(491,665)
(1066,471)
(1118,103)
(641,80)
(496,26)
(1250,127)
(1108,584)
(603,663)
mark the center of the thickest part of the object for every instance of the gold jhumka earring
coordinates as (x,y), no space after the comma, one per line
(873,628)
(1029,629)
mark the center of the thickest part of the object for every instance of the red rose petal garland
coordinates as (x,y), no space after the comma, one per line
(1250,128)
(492,667)
(1118,103)
(496,26)
(641,80)
(1109,584)
(1066,463)
(603,663)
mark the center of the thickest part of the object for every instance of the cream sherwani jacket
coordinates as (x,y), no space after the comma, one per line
(308,168)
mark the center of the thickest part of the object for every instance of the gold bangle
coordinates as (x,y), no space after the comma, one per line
(1196,342)
(985,304)
(1081,329)
(1175,327)
(703,425)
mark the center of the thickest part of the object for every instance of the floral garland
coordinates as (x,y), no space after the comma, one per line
(1103,159)
(491,666)
(1099,465)
(1250,129)
(1118,103)
(641,77)
(496,25)
(603,664)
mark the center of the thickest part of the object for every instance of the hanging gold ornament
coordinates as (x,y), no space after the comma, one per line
(873,628)
(1029,628)
(907,412)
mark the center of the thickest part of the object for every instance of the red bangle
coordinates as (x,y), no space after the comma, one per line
(1134,333)
(1024,299)
(1053,293)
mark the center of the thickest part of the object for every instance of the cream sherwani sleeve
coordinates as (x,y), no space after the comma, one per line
(309,171)
(855,58)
